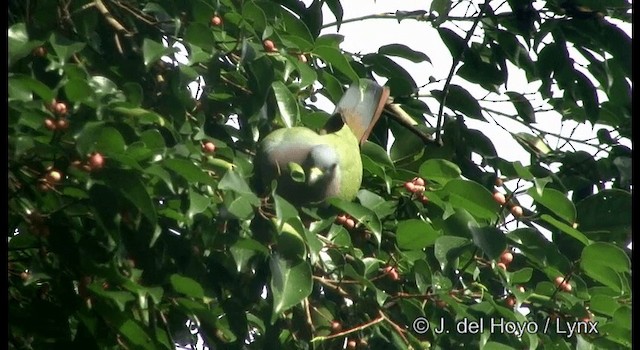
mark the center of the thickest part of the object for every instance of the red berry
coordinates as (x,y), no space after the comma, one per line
(216,21)
(53,176)
(336,326)
(24,275)
(269,46)
(351,344)
(418,181)
(499,182)
(40,51)
(96,161)
(506,258)
(499,198)
(341,219)
(424,199)
(502,266)
(517,211)
(60,109)
(510,301)
(566,287)
(62,124)
(49,124)
(208,147)
(558,280)
(410,186)
(394,275)
(350,223)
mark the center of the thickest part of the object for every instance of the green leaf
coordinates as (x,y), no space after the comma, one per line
(131,187)
(291,242)
(77,90)
(143,115)
(188,170)
(605,263)
(423,275)
(588,95)
(234,181)
(459,99)
(448,248)
(21,87)
(187,286)
(377,154)
(336,59)
(110,140)
(19,44)
(605,211)
(521,276)
(453,41)
(284,210)
(400,50)
(566,229)
(287,105)
(400,81)
(120,298)
(557,202)
(197,203)
(439,170)
(200,35)
(489,239)
(473,197)
(523,106)
(442,8)
(64,47)
(290,283)
(152,51)
(603,304)
(335,6)
(415,234)
(134,333)
(361,214)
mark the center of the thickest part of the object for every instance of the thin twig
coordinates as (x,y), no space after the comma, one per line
(400,116)
(395,326)
(109,17)
(456,60)
(377,320)
(134,12)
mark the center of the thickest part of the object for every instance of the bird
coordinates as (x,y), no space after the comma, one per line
(309,167)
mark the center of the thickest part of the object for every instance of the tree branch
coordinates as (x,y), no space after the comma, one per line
(109,17)
(400,116)
(456,60)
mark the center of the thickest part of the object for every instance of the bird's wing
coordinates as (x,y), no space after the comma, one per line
(361,105)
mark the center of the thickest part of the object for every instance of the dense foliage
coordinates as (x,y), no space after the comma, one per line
(132,207)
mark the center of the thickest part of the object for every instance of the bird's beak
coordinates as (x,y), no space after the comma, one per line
(315,174)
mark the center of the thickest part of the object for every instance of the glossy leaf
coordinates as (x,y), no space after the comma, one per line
(415,234)
(459,99)
(557,202)
(287,105)
(290,283)
(472,197)
(187,286)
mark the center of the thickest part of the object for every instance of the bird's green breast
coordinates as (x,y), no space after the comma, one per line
(348,149)
(293,144)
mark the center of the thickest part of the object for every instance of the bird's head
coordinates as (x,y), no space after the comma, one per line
(322,163)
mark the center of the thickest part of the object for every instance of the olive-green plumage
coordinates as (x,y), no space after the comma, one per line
(329,161)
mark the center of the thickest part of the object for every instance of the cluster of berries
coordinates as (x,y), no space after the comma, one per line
(417,187)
